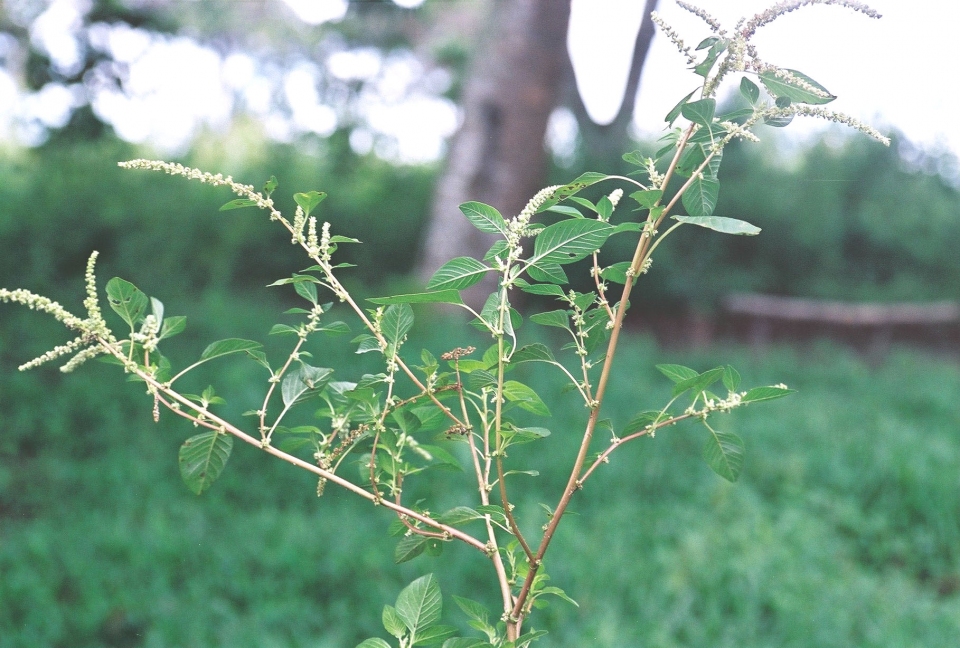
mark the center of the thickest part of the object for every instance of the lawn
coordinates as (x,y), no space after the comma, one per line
(844,529)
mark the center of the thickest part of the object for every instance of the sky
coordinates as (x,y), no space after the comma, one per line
(891,72)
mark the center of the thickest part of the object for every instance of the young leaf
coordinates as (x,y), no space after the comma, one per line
(270,186)
(308,200)
(172,326)
(419,603)
(731,378)
(795,87)
(749,90)
(202,458)
(392,622)
(723,452)
(484,217)
(700,198)
(699,382)
(700,112)
(238,203)
(459,273)
(128,301)
(721,224)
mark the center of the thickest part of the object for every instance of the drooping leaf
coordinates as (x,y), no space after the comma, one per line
(449,296)
(238,203)
(409,548)
(749,90)
(721,224)
(765,393)
(308,200)
(127,301)
(723,452)
(700,112)
(524,397)
(419,603)
(676,372)
(700,198)
(202,459)
(675,112)
(793,87)
(557,318)
(228,346)
(543,289)
(484,217)
(459,273)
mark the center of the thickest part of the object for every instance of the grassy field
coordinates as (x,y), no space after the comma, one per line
(844,529)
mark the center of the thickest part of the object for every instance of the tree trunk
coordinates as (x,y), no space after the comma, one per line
(498,157)
(604,144)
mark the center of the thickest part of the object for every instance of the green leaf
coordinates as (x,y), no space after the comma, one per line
(525,435)
(749,90)
(283,329)
(716,49)
(238,203)
(558,318)
(536,352)
(308,200)
(270,186)
(793,87)
(648,197)
(474,611)
(731,378)
(676,372)
(723,452)
(700,112)
(467,642)
(778,122)
(566,210)
(583,181)
(543,289)
(551,272)
(459,515)
(700,198)
(617,272)
(524,397)
(484,217)
(305,379)
(721,224)
(228,346)
(434,635)
(569,241)
(373,642)
(699,382)
(459,273)
(642,420)
(128,301)
(307,290)
(392,622)
(172,326)
(397,322)
(449,296)
(419,603)
(675,112)
(202,458)
(409,548)
(765,393)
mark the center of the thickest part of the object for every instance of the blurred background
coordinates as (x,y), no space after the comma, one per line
(845,526)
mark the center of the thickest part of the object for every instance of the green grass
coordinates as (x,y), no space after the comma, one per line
(844,529)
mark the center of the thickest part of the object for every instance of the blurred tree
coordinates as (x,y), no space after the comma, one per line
(517,77)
